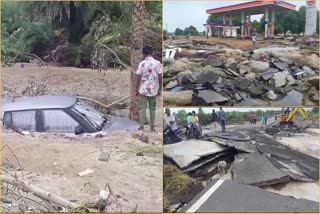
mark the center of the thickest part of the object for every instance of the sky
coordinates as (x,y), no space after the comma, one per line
(209,110)
(182,14)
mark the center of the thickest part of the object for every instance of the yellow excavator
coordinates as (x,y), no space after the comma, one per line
(286,122)
(288,117)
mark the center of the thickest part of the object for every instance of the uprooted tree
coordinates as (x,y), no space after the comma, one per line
(67,32)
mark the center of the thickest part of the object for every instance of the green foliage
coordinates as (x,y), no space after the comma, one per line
(181,117)
(191,31)
(176,181)
(256,27)
(178,32)
(214,19)
(39,27)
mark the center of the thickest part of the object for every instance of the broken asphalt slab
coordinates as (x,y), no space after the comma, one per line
(256,170)
(227,196)
(296,165)
(308,165)
(187,152)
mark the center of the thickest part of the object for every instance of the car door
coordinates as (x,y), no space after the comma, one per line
(23,120)
(58,121)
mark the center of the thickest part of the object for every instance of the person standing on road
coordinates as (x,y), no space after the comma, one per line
(222,118)
(149,79)
(265,118)
(254,40)
(254,118)
(215,120)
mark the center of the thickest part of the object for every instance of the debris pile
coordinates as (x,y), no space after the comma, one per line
(205,75)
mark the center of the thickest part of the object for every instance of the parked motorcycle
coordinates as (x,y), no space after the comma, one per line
(193,131)
(171,136)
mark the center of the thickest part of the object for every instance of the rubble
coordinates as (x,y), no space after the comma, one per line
(104,156)
(85,172)
(199,157)
(262,171)
(265,76)
(188,152)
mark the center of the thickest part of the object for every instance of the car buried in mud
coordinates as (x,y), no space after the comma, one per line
(60,114)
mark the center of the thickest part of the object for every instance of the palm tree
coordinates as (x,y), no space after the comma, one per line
(138,22)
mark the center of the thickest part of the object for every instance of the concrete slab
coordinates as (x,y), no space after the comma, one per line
(304,142)
(187,152)
(257,170)
(298,189)
(227,196)
(206,160)
(237,135)
(308,165)
(210,97)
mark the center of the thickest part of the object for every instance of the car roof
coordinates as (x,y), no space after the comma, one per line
(39,102)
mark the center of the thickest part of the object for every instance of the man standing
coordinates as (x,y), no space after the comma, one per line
(214,119)
(265,118)
(149,79)
(254,39)
(222,118)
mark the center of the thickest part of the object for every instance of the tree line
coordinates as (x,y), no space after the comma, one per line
(188,31)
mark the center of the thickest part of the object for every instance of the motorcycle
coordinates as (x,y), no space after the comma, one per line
(193,131)
(171,136)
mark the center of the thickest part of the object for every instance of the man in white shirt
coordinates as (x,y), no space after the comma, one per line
(150,83)
(254,39)
(169,118)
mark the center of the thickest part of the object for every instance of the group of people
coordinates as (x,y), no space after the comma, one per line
(265,117)
(149,87)
(221,118)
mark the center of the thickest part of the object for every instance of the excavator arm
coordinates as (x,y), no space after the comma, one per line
(294,112)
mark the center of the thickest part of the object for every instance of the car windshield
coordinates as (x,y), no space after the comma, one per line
(92,114)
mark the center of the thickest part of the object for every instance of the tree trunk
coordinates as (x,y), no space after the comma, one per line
(138,17)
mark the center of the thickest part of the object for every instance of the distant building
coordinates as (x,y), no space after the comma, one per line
(311,18)
(245,10)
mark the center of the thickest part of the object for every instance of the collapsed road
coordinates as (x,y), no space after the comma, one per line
(210,74)
(256,162)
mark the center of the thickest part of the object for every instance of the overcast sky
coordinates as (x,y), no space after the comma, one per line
(209,110)
(182,14)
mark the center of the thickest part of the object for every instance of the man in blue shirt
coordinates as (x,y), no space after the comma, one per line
(222,118)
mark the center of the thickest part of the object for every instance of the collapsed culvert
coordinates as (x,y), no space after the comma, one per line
(249,157)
